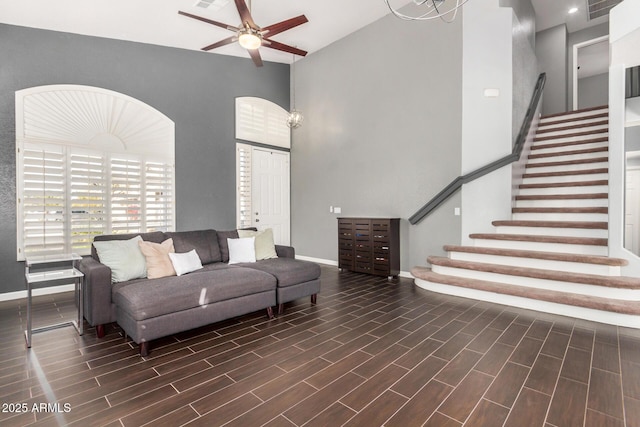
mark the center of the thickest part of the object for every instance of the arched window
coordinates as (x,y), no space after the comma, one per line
(89,161)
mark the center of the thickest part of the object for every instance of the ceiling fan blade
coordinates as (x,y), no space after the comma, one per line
(284,47)
(274,29)
(208,21)
(255,55)
(224,42)
(245,15)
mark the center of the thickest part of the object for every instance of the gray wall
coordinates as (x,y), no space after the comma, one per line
(381,135)
(525,63)
(551,51)
(593,91)
(197,90)
(575,38)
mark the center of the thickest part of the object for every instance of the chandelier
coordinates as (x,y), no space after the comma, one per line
(446,10)
(295,118)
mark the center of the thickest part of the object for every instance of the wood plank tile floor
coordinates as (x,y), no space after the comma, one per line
(370,353)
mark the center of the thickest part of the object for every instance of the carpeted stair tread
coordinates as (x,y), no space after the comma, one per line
(569,153)
(574,119)
(550,256)
(620,282)
(570,135)
(570,240)
(566,184)
(568,113)
(563,196)
(591,225)
(566,173)
(576,126)
(568,162)
(569,143)
(588,210)
(586,301)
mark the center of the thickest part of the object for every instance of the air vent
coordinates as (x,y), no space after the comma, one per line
(211,4)
(598,8)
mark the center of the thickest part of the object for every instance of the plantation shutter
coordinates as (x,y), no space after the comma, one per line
(243,180)
(43,200)
(158,196)
(88,194)
(126,196)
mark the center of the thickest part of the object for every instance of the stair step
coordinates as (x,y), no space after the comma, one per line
(563,196)
(579,210)
(587,241)
(574,126)
(569,153)
(566,184)
(550,256)
(570,135)
(566,298)
(568,162)
(562,121)
(565,173)
(592,225)
(619,282)
(579,141)
(581,112)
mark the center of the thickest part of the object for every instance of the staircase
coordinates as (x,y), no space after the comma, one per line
(551,256)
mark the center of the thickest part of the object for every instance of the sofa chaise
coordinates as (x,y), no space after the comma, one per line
(150,308)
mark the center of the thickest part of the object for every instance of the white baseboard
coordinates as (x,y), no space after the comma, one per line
(406,274)
(8,296)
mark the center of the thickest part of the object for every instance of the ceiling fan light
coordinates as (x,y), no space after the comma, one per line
(249,41)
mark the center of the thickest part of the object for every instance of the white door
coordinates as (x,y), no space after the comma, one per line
(270,192)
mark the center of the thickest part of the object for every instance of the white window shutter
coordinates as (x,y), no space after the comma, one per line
(44,204)
(262,121)
(243,182)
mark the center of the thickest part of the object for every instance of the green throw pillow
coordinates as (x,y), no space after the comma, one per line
(123,257)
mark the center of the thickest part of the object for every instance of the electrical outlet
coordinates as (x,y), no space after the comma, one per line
(456,211)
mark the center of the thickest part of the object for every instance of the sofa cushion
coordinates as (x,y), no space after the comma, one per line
(157,257)
(149,298)
(288,271)
(185,262)
(242,250)
(123,257)
(205,242)
(265,248)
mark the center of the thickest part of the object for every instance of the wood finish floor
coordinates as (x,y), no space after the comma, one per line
(370,353)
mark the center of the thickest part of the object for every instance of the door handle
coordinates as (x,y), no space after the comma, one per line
(257,220)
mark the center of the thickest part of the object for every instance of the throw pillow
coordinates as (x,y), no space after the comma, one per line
(242,250)
(185,262)
(123,257)
(157,257)
(265,248)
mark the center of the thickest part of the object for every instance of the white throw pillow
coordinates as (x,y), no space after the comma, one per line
(185,262)
(265,248)
(123,257)
(242,250)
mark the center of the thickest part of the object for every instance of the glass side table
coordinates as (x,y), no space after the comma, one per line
(63,267)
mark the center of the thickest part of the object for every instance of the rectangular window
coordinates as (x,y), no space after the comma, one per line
(70,195)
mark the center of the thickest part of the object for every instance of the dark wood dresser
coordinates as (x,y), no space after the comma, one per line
(369,245)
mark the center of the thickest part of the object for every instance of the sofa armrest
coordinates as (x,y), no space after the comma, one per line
(97,291)
(285,251)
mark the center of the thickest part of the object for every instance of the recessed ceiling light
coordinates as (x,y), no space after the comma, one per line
(572,10)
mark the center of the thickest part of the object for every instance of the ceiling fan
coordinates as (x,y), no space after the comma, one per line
(251,36)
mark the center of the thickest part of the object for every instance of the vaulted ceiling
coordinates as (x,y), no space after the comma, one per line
(158,22)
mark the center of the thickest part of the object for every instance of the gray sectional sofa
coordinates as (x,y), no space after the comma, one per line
(147,309)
